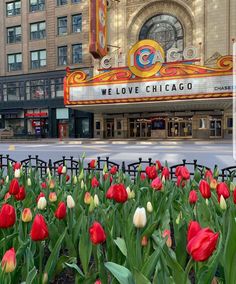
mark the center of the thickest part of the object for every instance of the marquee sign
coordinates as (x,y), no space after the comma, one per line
(98,28)
(172,81)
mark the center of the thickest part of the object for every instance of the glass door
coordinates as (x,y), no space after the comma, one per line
(215,128)
(180,127)
(109,128)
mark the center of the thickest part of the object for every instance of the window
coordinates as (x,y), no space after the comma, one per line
(77,53)
(11,91)
(165,29)
(14,34)
(229,122)
(75,1)
(62,25)
(77,23)
(36,5)
(38,30)
(37,89)
(59,87)
(14,62)
(38,59)
(61,2)
(62,55)
(13,8)
(202,123)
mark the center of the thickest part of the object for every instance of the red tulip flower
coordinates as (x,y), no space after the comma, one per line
(178,170)
(208,175)
(7,216)
(201,242)
(21,194)
(67,177)
(43,185)
(94,182)
(17,166)
(165,173)
(117,192)
(192,197)
(106,175)
(204,188)
(14,187)
(61,211)
(39,230)
(9,261)
(222,189)
(41,194)
(184,172)
(158,165)
(113,170)
(156,184)
(97,234)
(59,169)
(180,182)
(98,282)
(151,172)
(143,176)
(92,164)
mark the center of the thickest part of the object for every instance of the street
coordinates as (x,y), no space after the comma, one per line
(207,153)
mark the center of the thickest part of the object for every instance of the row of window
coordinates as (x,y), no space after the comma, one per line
(32,90)
(38,30)
(38,58)
(14,8)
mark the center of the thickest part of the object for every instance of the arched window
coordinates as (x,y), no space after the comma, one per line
(166,30)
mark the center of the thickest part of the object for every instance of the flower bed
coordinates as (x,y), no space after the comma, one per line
(104,227)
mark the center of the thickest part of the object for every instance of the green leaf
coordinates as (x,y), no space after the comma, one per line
(121,273)
(76,267)
(140,278)
(121,245)
(85,249)
(53,258)
(230,252)
(7,239)
(30,277)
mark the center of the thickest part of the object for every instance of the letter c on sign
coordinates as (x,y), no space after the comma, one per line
(105,62)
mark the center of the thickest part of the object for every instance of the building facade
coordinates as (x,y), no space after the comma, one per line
(39,39)
(209,26)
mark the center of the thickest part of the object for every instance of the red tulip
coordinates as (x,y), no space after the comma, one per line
(9,261)
(39,230)
(156,184)
(180,182)
(61,211)
(167,233)
(192,197)
(67,177)
(59,169)
(178,171)
(184,172)
(117,192)
(143,176)
(97,234)
(158,165)
(7,196)
(21,194)
(201,242)
(98,282)
(17,166)
(106,175)
(94,182)
(222,189)
(113,170)
(151,172)
(204,188)
(14,187)
(43,185)
(165,173)
(234,196)
(7,216)
(41,194)
(92,164)
(208,174)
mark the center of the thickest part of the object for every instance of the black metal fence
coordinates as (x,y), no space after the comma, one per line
(74,166)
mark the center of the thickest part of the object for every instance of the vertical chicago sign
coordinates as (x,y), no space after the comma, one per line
(98,28)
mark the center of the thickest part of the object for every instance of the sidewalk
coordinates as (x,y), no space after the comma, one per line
(94,141)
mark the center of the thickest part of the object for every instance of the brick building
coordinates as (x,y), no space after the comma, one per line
(39,39)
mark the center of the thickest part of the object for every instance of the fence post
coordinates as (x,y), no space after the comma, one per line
(123,167)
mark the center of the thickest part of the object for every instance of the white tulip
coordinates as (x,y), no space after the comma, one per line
(29,182)
(223,204)
(63,171)
(17,173)
(75,180)
(140,218)
(70,202)
(96,200)
(42,203)
(149,207)
(82,184)
(7,179)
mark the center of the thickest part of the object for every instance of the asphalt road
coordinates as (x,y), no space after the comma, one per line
(173,152)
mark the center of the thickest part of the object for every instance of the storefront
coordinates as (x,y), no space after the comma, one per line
(151,98)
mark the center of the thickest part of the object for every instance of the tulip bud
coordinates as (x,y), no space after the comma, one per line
(51,184)
(7,179)
(42,203)
(75,180)
(70,202)
(17,173)
(144,241)
(140,218)
(232,186)
(9,261)
(26,215)
(166,233)
(105,170)
(213,184)
(131,194)
(49,176)
(163,179)
(223,204)
(29,182)
(82,184)
(83,155)
(149,207)
(87,198)
(52,197)
(81,175)
(63,171)
(139,169)
(96,200)
(91,205)
(207,202)
(45,278)
(48,171)
(177,221)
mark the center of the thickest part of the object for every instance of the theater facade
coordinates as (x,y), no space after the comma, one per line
(167,72)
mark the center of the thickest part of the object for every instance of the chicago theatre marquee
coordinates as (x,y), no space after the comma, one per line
(161,88)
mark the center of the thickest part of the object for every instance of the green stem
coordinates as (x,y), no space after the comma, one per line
(187,270)
(138,248)
(40,261)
